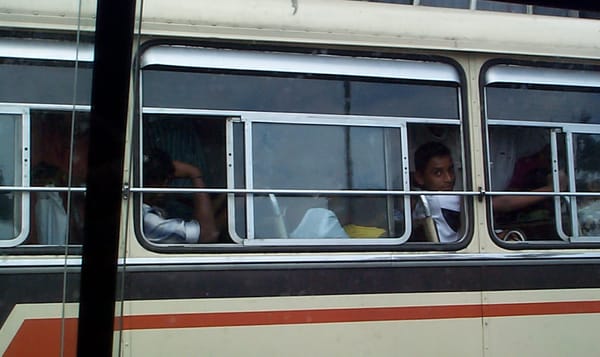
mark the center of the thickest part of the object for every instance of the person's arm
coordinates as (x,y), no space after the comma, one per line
(203,212)
(514,203)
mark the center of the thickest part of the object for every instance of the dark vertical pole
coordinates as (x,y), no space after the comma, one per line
(110,88)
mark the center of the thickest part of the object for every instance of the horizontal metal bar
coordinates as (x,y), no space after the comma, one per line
(345,120)
(306,192)
(41,189)
(46,106)
(546,193)
(300,192)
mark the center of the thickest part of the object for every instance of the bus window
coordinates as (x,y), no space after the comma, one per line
(36,150)
(436,139)
(42,151)
(558,112)
(319,155)
(199,142)
(52,140)
(322,159)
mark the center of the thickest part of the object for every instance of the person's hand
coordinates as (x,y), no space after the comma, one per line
(185,170)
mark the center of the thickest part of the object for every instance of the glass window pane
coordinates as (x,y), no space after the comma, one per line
(395,99)
(51,162)
(239,92)
(198,143)
(289,156)
(44,83)
(587,179)
(551,11)
(534,104)
(297,93)
(501,6)
(459,4)
(407,2)
(10,175)
(523,165)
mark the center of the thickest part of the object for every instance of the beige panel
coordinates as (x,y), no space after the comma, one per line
(545,335)
(556,295)
(322,339)
(296,303)
(334,21)
(556,335)
(409,338)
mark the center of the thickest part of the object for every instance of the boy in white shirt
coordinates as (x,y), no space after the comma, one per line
(434,171)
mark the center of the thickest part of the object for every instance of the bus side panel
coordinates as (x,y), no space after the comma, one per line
(376,325)
(558,322)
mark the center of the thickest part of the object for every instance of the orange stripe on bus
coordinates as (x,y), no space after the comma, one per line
(41,337)
(218,319)
(38,337)
(543,308)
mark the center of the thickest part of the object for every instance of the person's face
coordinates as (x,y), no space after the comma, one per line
(438,174)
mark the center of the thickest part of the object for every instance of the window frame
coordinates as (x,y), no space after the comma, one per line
(21,165)
(322,120)
(50,53)
(546,76)
(189,56)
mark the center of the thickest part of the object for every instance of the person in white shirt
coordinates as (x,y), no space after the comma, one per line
(158,170)
(434,171)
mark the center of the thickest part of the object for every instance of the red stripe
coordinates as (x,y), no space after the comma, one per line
(541,308)
(42,337)
(290,317)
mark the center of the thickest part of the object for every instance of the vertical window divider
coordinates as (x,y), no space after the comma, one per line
(556,185)
(406,178)
(388,181)
(572,188)
(231,183)
(249,178)
(25,177)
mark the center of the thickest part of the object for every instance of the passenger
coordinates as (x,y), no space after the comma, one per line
(523,214)
(531,173)
(51,221)
(434,171)
(158,169)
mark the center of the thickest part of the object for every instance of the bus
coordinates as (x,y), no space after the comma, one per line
(302,120)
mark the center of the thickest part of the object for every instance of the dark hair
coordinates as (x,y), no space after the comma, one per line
(45,173)
(426,151)
(158,166)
